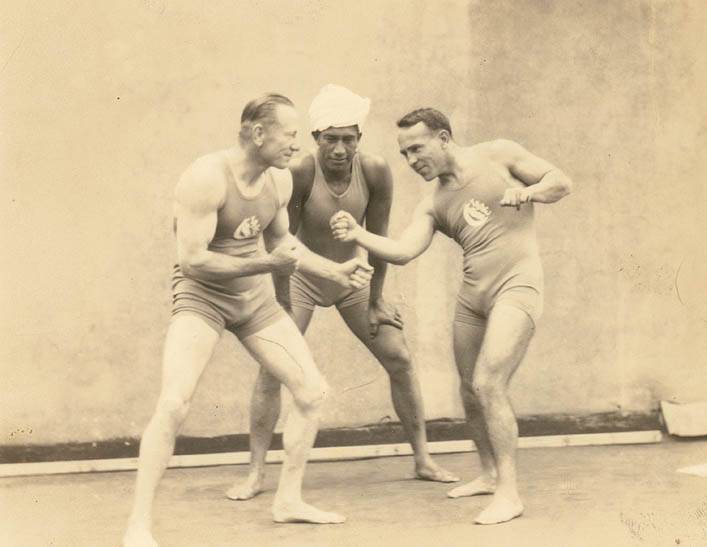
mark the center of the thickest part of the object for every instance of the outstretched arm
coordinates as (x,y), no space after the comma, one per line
(199,195)
(412,243)
(544,182)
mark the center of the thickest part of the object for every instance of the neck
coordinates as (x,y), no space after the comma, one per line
(247,163)
(453,172)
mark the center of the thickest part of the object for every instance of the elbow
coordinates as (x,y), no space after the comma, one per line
(187,268)
(567,186)
(564,185)
(401,259)
(190,264)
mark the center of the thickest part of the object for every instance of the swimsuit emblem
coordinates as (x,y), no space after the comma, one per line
(247,229)
(476,213)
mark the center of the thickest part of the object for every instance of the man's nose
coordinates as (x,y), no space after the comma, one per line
(339,149)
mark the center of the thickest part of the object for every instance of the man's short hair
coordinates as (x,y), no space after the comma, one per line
(261,110)
(431,117)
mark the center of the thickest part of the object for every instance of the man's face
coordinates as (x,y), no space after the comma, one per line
(337,146)
(280,138)
(423,150)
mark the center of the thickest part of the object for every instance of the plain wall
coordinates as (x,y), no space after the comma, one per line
(103,105)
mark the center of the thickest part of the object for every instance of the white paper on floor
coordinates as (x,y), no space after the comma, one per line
(699,470)
(685,419)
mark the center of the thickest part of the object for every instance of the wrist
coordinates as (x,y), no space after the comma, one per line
(272,264)
(357,232)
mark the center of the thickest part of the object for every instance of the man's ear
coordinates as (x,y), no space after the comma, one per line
(258,134)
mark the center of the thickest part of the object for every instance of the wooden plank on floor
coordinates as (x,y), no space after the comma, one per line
(329,453)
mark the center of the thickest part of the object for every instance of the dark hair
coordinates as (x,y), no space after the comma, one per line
(431,117)
(261,110)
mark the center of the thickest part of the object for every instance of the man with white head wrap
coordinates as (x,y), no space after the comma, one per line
(338,176)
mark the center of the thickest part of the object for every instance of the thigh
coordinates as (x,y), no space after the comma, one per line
(389,344)
(468,339)
(301,318)
(188,346)
(281,349)
(506,341)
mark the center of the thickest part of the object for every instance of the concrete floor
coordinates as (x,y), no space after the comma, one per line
(608,496)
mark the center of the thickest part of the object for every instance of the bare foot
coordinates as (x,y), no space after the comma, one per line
(501,509)
(252,486)
(138,536)
(433,472)
(477,487)
(303,512)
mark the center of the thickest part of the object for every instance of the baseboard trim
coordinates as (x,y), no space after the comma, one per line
(376,434)
(328,453)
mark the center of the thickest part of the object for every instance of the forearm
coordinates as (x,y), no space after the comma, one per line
(313,264)
(552,187)
(378,278)
(383,248)
(212,266)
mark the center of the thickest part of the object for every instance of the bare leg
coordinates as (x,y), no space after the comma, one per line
(507,338)
(467,345)
(188,347)
(390,349)
(282,350)
(264,413)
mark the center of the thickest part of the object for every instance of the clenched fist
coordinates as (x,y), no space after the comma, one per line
(515,197)
(285,258)
(343,226)
(354,273)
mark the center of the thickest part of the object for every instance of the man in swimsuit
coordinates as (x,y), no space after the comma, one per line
(224,202)
(484,201)
(338,176)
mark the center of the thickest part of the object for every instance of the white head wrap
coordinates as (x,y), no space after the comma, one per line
(336,106)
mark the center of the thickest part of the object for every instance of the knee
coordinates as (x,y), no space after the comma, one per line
(469,395)
(397,361)
(173,408)
(312,395)
(485,387)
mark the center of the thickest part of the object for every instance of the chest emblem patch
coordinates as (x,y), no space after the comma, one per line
(247,229)
(476,213)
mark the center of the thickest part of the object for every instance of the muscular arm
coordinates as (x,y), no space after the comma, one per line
(199,195)
(277,234)
(412,243)
(545,182)
(380,188)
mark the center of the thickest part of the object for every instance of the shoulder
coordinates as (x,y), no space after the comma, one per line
(375,170)
(303,174)
(283,184)
(501,150)
(373,166)
(203,184)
